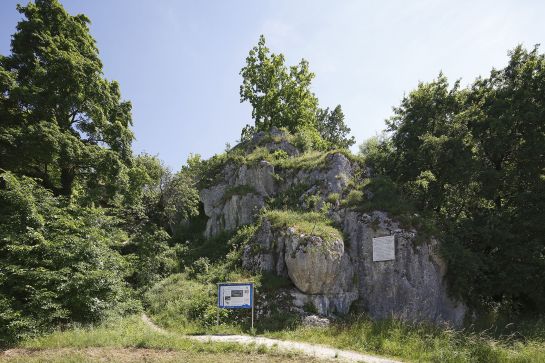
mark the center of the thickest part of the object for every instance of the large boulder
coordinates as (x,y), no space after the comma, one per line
(320,269)
(316,265)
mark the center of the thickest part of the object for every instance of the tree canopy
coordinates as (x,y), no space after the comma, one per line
(474,160)
(61,119)
(281,96)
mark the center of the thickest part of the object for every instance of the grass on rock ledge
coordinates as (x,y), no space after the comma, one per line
(310,223)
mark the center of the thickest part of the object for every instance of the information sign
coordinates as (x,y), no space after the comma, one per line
(235,295)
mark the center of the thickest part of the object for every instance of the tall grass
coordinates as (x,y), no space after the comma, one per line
(419,342)
(129,332)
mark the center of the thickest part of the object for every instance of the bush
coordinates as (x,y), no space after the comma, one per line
(59,263)
(181,303)
(308,138)
(354,198)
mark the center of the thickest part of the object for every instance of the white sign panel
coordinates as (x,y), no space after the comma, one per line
(235,295)
(384,248)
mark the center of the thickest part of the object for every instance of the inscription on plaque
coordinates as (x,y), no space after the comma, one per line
(384,248)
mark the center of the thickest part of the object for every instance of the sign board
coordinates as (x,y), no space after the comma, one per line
(235,295)
(384,248)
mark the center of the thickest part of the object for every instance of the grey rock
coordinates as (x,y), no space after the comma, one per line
(316,321)
(339,172)
(237,211)
(229,213)
(321,271)
(411,287)
(212,197)
(265,252)
(317,266)
(259,177)
(325,304)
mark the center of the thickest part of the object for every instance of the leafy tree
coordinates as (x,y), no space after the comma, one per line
(280,95)
(473,160)
(333,129)
(58,262)
(165,198)
(157,204)
(61,121)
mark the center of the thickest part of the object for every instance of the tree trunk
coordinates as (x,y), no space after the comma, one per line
(67,180)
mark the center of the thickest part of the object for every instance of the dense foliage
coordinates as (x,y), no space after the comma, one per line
(86,227)
(61,121)
(281,96)
(473,160)
(59,263)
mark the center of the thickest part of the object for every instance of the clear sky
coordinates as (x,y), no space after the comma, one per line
(178,61)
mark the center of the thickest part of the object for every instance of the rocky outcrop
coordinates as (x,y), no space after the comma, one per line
(332,276)
(320,269)
(242,190)
(335,276)
(411,286)
(317,266)
(236,200)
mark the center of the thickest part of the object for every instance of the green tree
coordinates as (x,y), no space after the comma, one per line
(58,262)
(158,203)
(473,160)
(61,121)
(333,129)
(280,95)
(167,199)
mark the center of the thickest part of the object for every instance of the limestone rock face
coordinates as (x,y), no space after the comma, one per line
(259,177)
(332,276)
(266,252)
(227,208)
(325,304)
(321,270)
(317,266)
(411,286)
(333,178)
(227,211)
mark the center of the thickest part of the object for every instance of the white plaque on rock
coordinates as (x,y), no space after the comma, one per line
(384,248)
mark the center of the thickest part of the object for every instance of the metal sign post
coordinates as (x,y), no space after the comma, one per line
(236,295)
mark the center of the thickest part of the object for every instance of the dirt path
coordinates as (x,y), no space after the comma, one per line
(312,350)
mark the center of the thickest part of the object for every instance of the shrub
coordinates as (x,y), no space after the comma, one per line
(59,263)
(354,198)
(333,198)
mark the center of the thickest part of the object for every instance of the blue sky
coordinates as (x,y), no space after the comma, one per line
(178,61)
